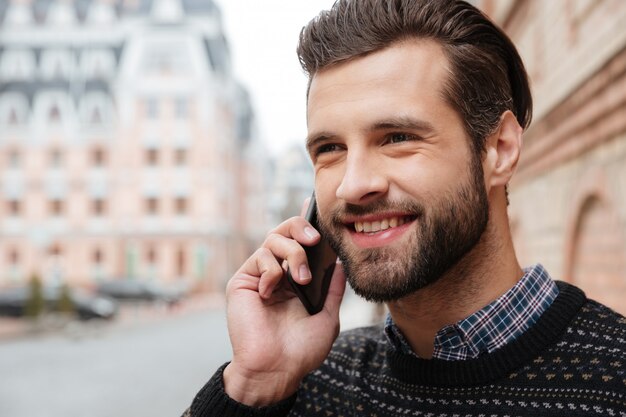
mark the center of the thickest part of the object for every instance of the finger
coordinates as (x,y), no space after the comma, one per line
(291,251)
(299,229)
(335,291)
(259,273)
(271,273)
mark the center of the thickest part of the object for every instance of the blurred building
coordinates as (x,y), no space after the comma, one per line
(292,182)
(125,144)
(568,198)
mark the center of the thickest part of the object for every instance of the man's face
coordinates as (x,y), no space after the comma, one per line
(400,194)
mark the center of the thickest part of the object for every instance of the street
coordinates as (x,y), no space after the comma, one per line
(122,370)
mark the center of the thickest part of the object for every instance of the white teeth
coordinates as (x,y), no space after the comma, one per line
(378,225)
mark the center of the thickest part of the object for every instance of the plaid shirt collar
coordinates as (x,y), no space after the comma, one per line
(495,325)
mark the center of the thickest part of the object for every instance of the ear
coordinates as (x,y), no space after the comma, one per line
(503,150)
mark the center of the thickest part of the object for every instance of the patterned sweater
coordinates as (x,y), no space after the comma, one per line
(570,363)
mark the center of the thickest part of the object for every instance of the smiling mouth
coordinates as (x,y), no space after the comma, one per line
(382,224)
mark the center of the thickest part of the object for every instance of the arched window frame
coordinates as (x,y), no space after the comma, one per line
(17,64)
(57,64)
(97,63)
(14,110)
(96,103)
(48,103)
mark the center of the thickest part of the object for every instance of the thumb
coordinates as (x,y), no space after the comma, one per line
(335,291)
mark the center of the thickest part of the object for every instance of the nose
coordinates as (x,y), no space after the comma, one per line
(364,179)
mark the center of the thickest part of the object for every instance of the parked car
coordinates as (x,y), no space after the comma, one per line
(86,306)
(133,289)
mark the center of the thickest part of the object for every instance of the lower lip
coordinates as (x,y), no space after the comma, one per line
(378,239)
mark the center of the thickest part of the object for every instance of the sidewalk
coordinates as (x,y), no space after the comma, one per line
(149,312)
(128,314)
(10,328)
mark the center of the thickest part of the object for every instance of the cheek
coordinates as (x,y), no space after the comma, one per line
(326,184)
(427,180)
(416,176)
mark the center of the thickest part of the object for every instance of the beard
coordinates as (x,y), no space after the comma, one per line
(446,230)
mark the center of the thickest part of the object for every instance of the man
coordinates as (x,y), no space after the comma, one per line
(415,116)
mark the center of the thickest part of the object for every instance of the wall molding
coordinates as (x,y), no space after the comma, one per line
(594,114)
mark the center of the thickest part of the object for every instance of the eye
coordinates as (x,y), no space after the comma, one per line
(400,137)
(329,147)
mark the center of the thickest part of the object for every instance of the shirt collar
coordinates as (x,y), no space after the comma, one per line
(494,325)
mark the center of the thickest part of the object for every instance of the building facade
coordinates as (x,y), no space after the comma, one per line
(125,144)
(292,172)
(568,198)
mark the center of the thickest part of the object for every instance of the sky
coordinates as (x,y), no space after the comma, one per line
(263,36)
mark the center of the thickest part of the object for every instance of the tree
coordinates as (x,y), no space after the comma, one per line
(65,305)
(35,304)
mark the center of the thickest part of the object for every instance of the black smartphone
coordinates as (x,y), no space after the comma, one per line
(322,259)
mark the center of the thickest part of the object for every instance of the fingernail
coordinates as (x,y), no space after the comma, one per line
(304,273)
(310,232)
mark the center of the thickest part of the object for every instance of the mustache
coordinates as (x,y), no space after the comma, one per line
(379,206)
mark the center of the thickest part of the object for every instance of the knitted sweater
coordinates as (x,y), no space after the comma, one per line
(570,363)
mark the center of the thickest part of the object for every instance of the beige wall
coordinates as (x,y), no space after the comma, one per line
(568,199)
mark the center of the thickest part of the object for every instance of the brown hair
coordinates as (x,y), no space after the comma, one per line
(487,74)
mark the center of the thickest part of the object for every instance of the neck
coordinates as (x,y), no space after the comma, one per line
(481,276)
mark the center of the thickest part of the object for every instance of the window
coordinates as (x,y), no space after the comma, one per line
(14,159)
(54,114)
(56,158)
(98,63)
(180,205)
(17,64)
(53,107)
(14,208)
(57,64)
(180,261)
(165,58)
(181,108)
(152,205)
(13,257)
(152,108)
(96,256)
(96,116)
(180,157)
(13,119)
(96,109)
(152,156)
(56,207)
(98,157)
(98,207)
(55,250)
(151,255)
(14,109)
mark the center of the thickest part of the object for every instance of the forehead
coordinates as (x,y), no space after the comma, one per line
(413,70)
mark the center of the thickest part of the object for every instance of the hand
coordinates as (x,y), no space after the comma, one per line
(275,341)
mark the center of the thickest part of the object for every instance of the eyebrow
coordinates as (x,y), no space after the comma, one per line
(403,123)
(313,140)
(394,123)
